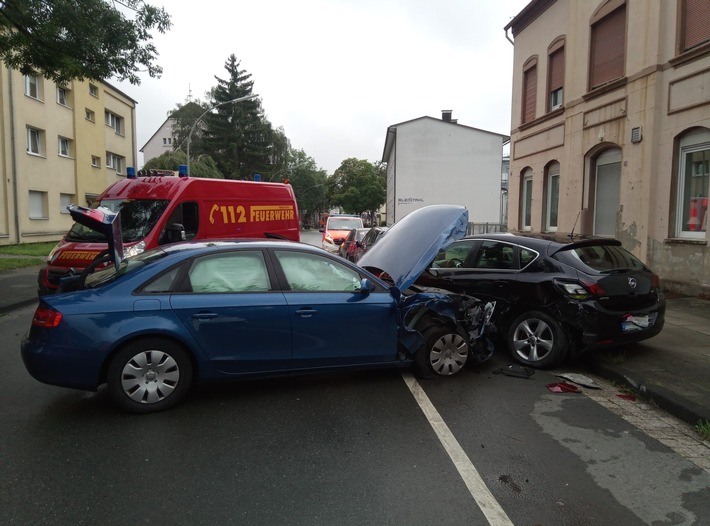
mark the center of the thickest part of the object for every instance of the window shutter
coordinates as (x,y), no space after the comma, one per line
(697,23)
(557,69)
(529,94)
(608,48)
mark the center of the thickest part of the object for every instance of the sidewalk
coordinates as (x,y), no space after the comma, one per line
(671,369)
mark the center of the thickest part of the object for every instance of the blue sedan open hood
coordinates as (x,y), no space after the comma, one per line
(408,247)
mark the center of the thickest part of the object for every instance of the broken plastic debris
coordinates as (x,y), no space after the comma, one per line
(629,397)
(518,371)
(563,387)
(580,379)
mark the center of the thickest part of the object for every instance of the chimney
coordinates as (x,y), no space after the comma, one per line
(446,115)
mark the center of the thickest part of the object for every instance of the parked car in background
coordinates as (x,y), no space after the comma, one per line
(151,325)
(350,244)
(370,238)
(337,227)
(555,296)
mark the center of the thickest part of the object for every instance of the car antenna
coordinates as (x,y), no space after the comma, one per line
(571,234)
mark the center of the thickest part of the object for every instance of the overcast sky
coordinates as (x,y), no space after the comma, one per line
(336,73)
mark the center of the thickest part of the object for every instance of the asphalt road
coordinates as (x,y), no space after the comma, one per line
(338,449)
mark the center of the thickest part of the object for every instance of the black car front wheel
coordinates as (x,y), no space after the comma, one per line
(537,340)
(444,353)
(149,375)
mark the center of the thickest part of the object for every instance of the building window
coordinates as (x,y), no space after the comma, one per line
(693,170)
(34,141)
(32,87)
(115,162)
(38,205)
(114,121)
(167,141)
(65,147)
(93,90)
(90,115)
(95,161)
(64,201)
(526,194)
(556,75)
(552,197)
(62,96)
(696,23)
(529,89)
(608,47)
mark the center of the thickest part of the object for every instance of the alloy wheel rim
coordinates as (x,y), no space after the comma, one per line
(533,340)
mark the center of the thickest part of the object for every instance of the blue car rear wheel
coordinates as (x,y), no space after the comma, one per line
(149,375)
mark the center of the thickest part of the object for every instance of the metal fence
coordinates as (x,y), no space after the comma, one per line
(485,228)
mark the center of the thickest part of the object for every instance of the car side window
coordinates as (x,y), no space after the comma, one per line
(243,271)
(526,257)
(455,255)
(495,255)
(314,273)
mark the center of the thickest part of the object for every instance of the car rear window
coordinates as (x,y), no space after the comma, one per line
(604,258)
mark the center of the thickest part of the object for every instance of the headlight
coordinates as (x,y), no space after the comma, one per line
(136,249)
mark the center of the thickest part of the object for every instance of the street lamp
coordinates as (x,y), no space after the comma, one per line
(189,135)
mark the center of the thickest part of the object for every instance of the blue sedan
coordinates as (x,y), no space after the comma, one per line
(154,324)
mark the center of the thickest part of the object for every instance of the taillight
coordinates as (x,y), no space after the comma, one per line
(46,317)
(655,281)
(580,290)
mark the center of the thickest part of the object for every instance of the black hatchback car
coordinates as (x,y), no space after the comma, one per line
(555,296)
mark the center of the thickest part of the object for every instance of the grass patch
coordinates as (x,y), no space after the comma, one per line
(703,429)
(13,263)
(612,356)
(29,249)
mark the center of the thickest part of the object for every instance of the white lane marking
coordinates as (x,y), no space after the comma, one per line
(478,489)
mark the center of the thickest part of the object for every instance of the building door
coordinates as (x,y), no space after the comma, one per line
(606,192)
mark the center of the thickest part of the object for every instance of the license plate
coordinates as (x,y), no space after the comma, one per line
(630,323)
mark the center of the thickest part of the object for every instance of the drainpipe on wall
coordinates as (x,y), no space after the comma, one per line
(508,37)
(13,157)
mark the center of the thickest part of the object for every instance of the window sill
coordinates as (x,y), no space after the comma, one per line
(690,55)
(605,88)
(548,116)
(685,241)
(33,154)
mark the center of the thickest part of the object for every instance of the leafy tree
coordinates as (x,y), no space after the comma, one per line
(237,135)
(310,186)
(186,116)
(202,166)
(358,186)
(81,39)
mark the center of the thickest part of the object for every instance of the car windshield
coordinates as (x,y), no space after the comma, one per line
(127,265)
(607,258)
(138,217)
(344,223)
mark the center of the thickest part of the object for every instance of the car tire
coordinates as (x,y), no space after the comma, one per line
(537,340)
(149,375)
(444,353)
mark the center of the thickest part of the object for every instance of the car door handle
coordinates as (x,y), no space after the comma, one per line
(306,312)
(204,315)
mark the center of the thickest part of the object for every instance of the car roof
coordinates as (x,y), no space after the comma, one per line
(215,244)
(551,241)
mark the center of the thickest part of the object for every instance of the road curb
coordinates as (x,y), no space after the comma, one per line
(676,405)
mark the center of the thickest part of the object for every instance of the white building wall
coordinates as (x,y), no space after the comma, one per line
(439,162)
(160,142)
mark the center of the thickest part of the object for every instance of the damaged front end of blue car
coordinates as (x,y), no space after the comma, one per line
(439,330)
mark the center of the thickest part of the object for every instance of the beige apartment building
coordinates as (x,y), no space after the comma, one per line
(58,145)
(611,128)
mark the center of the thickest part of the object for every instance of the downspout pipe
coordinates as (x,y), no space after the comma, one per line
(13,157)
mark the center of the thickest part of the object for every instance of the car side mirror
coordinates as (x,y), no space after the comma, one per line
(366,286)
(433,272)
(174,232)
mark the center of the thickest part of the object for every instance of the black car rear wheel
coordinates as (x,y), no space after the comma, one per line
(537,340)
(444,353)
(149,375)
